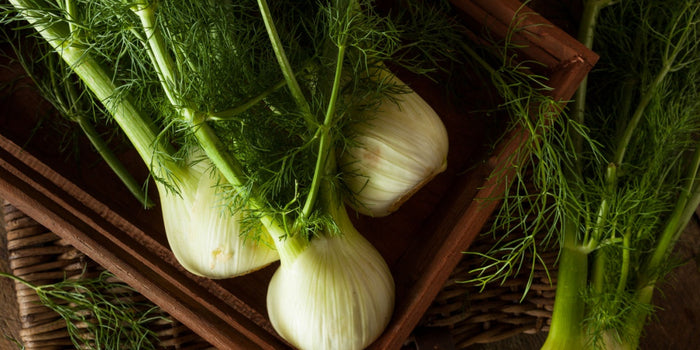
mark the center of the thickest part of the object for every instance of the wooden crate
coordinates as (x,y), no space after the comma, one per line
(422,243)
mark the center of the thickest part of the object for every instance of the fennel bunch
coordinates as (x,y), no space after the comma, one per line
(646,123)
(615,180)
(208,226)
(238,119)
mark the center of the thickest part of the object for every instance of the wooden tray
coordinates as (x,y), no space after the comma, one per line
(422,243)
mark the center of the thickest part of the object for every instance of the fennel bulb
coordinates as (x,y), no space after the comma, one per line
(399,149)
(338,293)
(204,237)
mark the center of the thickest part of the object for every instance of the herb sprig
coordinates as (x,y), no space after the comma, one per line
(100,312)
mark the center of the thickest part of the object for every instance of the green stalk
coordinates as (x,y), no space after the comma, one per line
(162,61)
(639,112)
(687,202)
(599,258)
(138,128)
(322,133)
(598,268)
(324,146)
(230,113)
(325,160)
(101,146)
(210,143)
(289,245)
(113,162)
(566,332)
(71,10)
(625,266)
(637,319)
(216,152)
(329,202)
(284,64)
(292,244)
(586,33)
(595,236)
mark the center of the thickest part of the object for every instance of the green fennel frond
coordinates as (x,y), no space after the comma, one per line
(100,312)
(540,192)
(642,111)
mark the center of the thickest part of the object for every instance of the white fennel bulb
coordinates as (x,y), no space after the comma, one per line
(337,293)
(206,238)
(395,152)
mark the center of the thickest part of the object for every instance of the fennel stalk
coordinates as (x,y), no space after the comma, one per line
(73,103)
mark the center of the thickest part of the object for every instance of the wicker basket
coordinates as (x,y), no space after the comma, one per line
(41,257)
(472,315)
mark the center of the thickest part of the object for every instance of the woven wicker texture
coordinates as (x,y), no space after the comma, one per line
(41,257)
(500,311)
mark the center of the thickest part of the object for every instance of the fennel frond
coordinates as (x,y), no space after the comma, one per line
(613,181)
